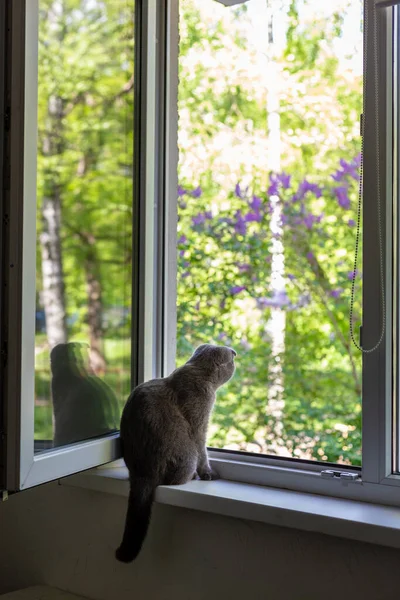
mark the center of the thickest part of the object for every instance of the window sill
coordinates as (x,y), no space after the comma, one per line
(338,517)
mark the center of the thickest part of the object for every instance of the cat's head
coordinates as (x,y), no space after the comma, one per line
(218,362)
(65,356)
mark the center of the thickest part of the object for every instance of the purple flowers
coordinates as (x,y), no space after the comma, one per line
(198,219)
(236,289)
(353,274)
(240,224)
(202,217)
(273,189)
(238,191)
(237,236)
(252,216)
(255,203)
(181,191)
(278,300)
(285,180)
(197,192)
(276,181)
(342,196)
(348,169)
(281,300)
(309,220)
(304,187)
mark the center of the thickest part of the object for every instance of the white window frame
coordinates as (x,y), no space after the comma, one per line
(155,281)
(376,481)
(24,468)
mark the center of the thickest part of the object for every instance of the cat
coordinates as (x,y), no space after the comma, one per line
(163,435)
(84,406)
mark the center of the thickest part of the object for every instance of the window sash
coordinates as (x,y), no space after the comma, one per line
(24,468)
(378,385)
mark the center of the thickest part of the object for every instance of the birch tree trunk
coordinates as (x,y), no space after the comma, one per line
(277,323)
(50,243)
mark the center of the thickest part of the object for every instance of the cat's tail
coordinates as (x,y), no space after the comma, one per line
(141,496)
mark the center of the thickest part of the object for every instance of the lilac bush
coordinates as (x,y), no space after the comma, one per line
(225,260)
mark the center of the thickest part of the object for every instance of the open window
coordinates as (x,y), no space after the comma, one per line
(81,178)
(120,254)
(271,96)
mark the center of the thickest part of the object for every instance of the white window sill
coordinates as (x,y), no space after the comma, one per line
(339,517)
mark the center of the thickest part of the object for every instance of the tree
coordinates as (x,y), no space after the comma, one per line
(223,144)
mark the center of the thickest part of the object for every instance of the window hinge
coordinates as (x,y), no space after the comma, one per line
(361,336)
(342,475)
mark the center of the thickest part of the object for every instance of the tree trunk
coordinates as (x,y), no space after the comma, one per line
(277,324)
(50,243)
(52,272)
(94,310)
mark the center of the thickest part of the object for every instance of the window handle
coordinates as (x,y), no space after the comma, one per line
(342,475)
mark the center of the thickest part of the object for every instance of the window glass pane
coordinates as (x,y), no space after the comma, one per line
(84,218)
(270,96)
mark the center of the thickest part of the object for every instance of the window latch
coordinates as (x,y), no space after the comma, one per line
(342,475)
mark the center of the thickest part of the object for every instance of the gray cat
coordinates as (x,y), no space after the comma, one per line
(163,434)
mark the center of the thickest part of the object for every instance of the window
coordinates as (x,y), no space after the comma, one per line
(270,97)
(114,243)
(270,103)
(84,219)
(82,111)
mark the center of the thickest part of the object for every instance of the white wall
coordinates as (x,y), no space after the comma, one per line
(66,537)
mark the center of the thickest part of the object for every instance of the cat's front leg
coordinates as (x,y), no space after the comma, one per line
(204,469)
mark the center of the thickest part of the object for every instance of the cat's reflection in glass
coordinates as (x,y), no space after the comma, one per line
(84,406)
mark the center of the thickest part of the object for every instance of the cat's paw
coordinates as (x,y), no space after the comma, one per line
(195,476)
(209,475)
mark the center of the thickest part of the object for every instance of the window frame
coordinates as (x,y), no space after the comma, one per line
(3,59)
(376,481)
(24,469)
(154,281)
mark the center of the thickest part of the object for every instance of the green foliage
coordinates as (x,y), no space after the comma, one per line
(85,162)
(225,237)
(225,265)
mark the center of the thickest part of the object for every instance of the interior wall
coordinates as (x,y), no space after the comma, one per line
(66,537)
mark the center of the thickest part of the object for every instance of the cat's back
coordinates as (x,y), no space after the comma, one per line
(153,429)
(149,405)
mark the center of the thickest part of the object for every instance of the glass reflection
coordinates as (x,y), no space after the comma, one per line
(84,218)
(84,406)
